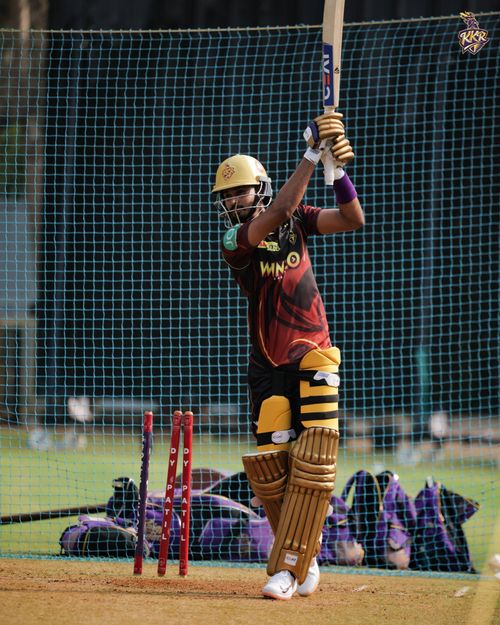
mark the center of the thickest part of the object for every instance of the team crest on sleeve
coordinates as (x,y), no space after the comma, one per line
(229,240)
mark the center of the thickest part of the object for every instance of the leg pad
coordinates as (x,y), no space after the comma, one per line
(310,486)
(267,473)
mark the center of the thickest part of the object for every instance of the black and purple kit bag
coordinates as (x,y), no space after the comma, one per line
(381,517)
(97,537)
(439,539)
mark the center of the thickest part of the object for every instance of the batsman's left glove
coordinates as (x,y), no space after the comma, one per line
(326,126)
(321,133)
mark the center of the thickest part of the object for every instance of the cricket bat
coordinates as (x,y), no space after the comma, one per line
(333,22)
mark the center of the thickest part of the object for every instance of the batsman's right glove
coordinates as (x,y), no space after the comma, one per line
(342,151)
(335,158)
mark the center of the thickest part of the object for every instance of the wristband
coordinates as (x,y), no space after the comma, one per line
(344,190)
(312,155)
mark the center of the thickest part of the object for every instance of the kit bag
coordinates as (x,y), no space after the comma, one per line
(98,537)
(381,517)
(439,539)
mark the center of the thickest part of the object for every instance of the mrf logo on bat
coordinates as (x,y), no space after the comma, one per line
(473,38)
(328,71)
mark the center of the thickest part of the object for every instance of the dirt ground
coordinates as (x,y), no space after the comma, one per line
(68,592)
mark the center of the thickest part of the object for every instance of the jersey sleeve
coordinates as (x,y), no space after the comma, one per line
(236,250)
(308,216)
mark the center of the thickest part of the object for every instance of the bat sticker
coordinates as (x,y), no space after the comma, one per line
(328,75)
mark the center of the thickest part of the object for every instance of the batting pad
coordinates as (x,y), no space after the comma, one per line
(275,421)
(267,473)
(311,481)
(319,392)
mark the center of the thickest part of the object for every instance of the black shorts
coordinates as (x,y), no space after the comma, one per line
(265,380)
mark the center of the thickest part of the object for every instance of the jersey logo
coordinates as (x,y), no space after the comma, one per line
(229,240)
(276,270)
(270,246)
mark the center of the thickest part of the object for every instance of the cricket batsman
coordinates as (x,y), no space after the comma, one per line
(293,366)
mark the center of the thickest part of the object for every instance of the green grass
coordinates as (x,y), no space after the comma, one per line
(40,480)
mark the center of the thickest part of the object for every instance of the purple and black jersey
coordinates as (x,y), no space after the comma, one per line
(286,315)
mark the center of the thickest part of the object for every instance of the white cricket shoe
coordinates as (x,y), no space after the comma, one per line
(281,585)
(311,582)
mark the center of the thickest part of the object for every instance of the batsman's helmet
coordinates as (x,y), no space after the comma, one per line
(238,171)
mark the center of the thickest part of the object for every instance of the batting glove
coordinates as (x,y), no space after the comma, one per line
(315,145)
(342,151)
(324,128)
(332,168)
